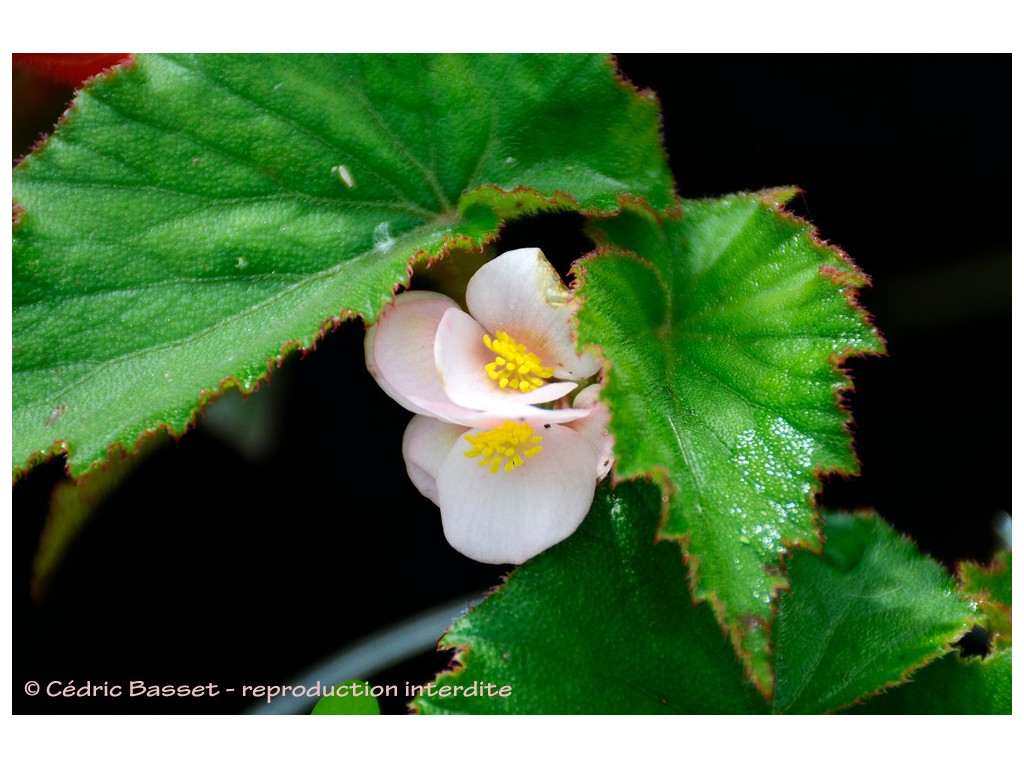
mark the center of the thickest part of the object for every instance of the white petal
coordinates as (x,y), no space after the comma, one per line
(456,414)
(594,428)
(399,349)
(508,517)
(424,445)
(400,356)
(520,293)
(461,357)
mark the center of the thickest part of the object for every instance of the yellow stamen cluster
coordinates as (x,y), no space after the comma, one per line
(513,366)
(511,442)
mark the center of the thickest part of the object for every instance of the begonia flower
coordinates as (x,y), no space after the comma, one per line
(495,443)
(512,351)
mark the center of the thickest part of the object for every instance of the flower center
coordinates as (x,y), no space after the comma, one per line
(511,442)
(513,365)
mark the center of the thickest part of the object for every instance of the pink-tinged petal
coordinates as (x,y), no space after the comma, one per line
(425,444)
(461,357)
(594,429)
(508,517)
(521,294)
(400,356)
(399,349)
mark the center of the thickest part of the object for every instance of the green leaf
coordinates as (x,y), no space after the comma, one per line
(724,331)
(860,617)
(602,623)
(194,217)
(994,581)
(951,686)
(992,588)
(348,699)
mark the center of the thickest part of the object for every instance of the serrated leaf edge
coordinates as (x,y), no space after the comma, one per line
(849,281)
(557,200)
(868,514)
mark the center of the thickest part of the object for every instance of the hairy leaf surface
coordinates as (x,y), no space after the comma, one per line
(723,332)
(860,617)
(194,216)
(951,686)
(992,588)
(602,623)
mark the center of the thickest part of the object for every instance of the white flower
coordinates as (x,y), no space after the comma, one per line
(511,478)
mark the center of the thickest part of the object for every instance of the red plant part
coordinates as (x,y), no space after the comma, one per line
(69,68)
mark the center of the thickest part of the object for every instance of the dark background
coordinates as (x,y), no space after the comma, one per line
(248,558)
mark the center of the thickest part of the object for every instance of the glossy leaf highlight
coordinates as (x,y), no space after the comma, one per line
(723,332)
(992,588)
